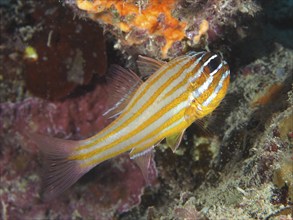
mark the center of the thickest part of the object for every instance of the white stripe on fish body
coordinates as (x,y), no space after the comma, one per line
(149,111)
(144,134)
(156,104)
(134,126)
(181,77)
(217,89)
(194,53)
(159,136)
(200,90)
(158,82)
(152,79)
(200,71)
(180,92)
(162,120)
(156,79)
(152,110)
(204,87)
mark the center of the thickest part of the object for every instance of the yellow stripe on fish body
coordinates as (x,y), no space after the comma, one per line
(178,93)
(186,89)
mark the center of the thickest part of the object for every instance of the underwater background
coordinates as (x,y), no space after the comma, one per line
(236,163)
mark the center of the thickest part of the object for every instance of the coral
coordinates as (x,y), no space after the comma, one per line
(283,175)
(163,28)
(188,211)
(153,19)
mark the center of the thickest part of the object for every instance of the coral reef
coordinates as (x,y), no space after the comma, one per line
(140,20)
(235,164)
(164,29)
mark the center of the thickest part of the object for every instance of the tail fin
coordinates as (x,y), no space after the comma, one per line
(59,172)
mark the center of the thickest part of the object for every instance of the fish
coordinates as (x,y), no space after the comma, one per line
(174,95)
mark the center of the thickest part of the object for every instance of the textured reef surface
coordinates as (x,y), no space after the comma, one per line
(235,164)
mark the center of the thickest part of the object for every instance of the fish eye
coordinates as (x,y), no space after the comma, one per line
(214,63)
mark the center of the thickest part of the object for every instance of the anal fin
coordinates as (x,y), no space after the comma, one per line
(143,159)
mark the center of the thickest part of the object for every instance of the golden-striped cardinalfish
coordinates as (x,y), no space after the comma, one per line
(177,93)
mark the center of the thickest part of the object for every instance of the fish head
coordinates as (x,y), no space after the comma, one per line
(209,83)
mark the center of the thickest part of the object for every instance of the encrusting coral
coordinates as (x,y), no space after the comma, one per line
(163,28)
(138,21)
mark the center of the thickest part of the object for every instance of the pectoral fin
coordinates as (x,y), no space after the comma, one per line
(192,111)
(174,141)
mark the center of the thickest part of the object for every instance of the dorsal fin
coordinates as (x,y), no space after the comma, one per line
(122,85)
(147,66)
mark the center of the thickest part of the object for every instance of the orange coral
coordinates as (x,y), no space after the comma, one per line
(155,17)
